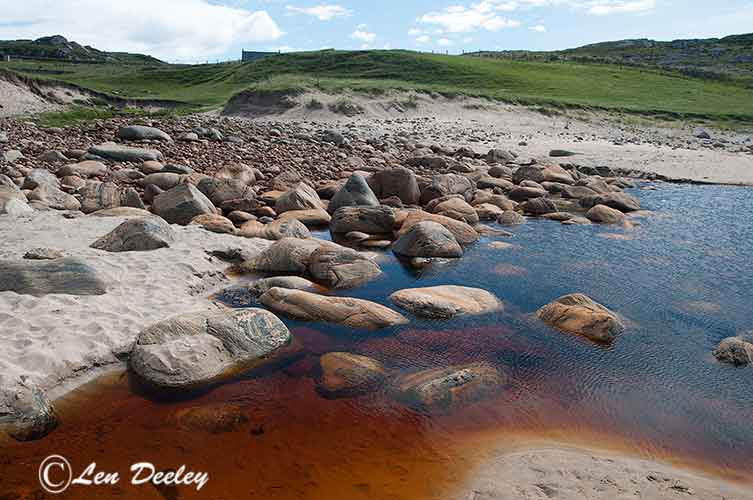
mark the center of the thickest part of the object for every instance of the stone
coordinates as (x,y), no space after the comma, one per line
(487,211)
(347,375)
(346,311)
(488,182)
(141,133)
(239,217)
(427,239)
(538,206)
(214,223)
(118,152)
(604,215)
(400,182)
(12,155)
(442,389)
(500,156)
(737,351)
(370,220)
(54,198)
(68,276)
(446,184)
(215,418)
(454,207)
(446,301)
(500,171)
(577,192)
(26,414)
(528,173)
(311,218)
(137,235)
(84,169)
(579,314)
(151,167)
(181,204)
(561,153)
(276,230)
(15,207)
(163,180)
(288,255)
(52,157)
(237,172)
(194,350)
(341,267)
(501,201)
(355,192)
(172,168)
(44,254)
(521,193)
(40,177)
(301,197)
(261,286)
(189,137)
(619,201)
(555,173)
(463,233)
(511,218)
(97,196)
(222,191)
(122,212)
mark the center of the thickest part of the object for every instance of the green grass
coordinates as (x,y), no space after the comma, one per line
(83,114)
(563,84)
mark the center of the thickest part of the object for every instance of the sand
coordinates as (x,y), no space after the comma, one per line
(58,339)
(562,473)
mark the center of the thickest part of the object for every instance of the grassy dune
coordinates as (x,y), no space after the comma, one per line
(557,84)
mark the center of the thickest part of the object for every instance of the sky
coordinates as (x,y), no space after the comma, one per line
(212,30)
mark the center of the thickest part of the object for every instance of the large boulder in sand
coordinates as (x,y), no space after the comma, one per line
(118,152)
(578,314)
(427,239)
(301,197)
(181,204)
(193,350)
(463,233)
(355,193)
(604,215)
(442,389)
(369,220)
(26,413)
(68,276)
(346,375)
(735,350)
(355,313)
(137,235)
(141,133)
(446,301)
(400,182)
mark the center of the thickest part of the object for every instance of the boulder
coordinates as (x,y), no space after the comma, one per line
(577,192)
(463,233)
(141,133)
(347,375)
(97,196)
(69,276)
(522,193)
(500,171)
(555,173)
(312,218)
(355,313)
(163,180)
(54,198)
(341,267)
(446,184)
(604,215)
(487,211)
(276,230)
(137,235)
(528,173)
(214,223)
(122,212)
(454,207)
(500,156)
(26,413)
(84,169)
(42,253)
(488,182)
(446,301)
(737,351)
(578,314)
(288,255)
(221,191)
(355,193)
(262,286)
(370,220)
(181,204)
(118,152)
(237,172)
(538,206)
(619,201)
(40,177)
(399,182)
(301,197)
(14,207)
(501,201)
(427,239)
(443,389)
(197,349)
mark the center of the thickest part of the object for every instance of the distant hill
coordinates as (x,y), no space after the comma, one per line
(58,48)
(730,57)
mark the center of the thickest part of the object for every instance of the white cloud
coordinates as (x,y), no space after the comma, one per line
(423,40)
(603,8)
(364,36)
(539,28)
(323,12)
(480,16)
(174,30)
(415,32)
(444,42)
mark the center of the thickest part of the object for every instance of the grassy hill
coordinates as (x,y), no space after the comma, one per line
(631,89)
(58,48)
(728,58)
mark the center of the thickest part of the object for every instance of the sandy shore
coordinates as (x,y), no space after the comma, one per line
(55,338)
(543,473)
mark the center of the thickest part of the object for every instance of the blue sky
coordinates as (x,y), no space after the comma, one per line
(199,30)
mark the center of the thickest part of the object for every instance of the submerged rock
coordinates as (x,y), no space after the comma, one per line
(346,375)
(442,389)
(446,301)
(69,276)
(196,349)
(578,314)
(137,235)
(355,313)
(216,418)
